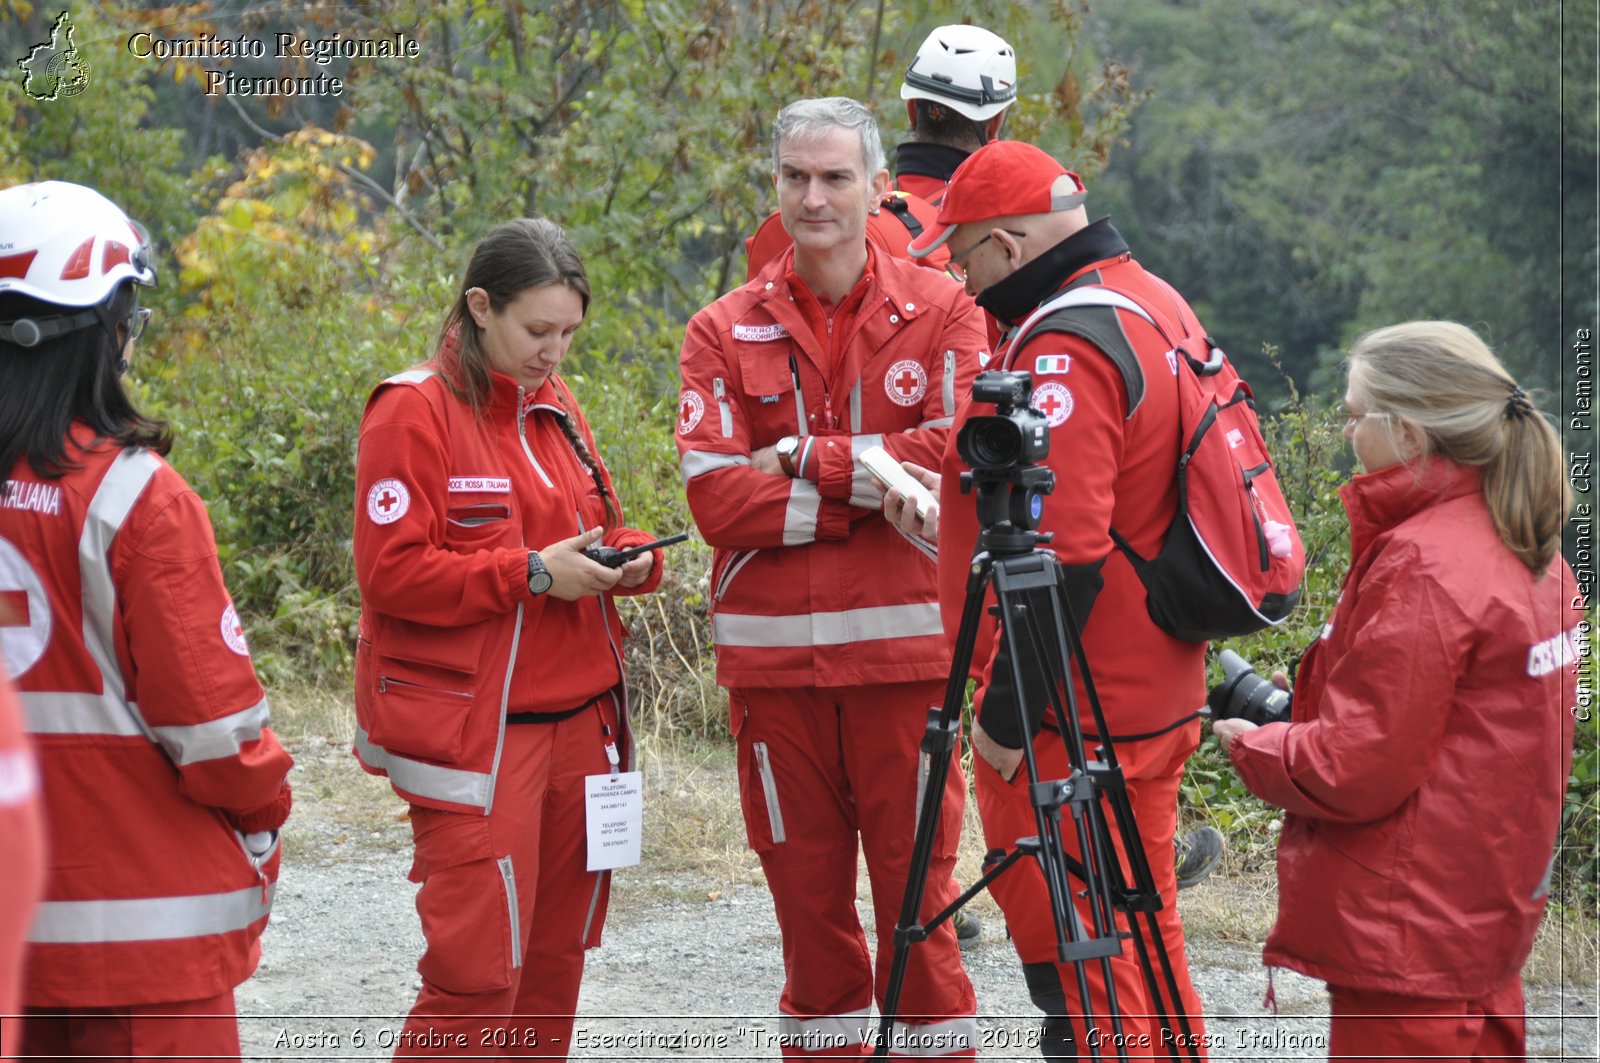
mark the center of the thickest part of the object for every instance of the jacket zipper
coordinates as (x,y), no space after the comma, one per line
(738,562)
(522,434)
(385,682)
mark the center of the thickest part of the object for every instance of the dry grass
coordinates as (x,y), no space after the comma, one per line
(693,825)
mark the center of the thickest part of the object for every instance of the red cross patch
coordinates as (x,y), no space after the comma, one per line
(1054,401)
(691,407)
(906,382)
(233,631)
(387,501)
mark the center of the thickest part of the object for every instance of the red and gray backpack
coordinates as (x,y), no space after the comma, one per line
(1232,561)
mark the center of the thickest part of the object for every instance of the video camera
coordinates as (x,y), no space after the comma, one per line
(1244,695)
(1002,450)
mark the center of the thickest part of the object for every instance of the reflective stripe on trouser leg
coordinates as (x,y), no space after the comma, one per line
(811,873)
(1152,768)
(570,903)
(536,821)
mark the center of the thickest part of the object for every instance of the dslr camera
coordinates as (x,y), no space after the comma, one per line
(1244,695)
(1014,435)
(1002,450)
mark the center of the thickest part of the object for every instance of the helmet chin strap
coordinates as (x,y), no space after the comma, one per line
(32,331)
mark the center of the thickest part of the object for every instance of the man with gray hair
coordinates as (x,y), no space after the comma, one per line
(825,617)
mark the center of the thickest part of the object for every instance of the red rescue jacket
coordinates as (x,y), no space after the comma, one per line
(1115,459)
(448,505)
(151,733)
(810,585)
(22,851)
(1424,771)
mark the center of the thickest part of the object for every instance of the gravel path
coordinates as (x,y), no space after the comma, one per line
(690,969)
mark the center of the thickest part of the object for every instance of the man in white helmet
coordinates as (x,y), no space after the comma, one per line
(957,90)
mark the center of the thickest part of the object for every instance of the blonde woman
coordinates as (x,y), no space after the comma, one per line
(1424,769)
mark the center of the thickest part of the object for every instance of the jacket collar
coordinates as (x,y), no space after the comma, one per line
(1381,500)
(924,159)
(503,394)
(1012,299)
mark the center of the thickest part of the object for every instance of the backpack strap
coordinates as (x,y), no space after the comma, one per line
(895,203)
(1090,312)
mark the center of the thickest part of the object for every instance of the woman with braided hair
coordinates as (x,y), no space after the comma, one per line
(489,668)
(1424,769)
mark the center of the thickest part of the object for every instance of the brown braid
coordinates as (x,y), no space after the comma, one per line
(613,515)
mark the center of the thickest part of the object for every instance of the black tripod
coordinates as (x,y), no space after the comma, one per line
(1036,617)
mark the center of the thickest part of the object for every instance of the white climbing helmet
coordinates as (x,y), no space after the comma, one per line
(69,245)
(968,68)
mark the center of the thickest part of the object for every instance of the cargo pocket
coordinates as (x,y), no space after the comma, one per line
(467,903)
(758,785)
(420,690)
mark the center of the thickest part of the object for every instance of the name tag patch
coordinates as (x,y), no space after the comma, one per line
(760,333)
(495,485)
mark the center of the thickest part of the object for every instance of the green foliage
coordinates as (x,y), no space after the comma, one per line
(1305,172)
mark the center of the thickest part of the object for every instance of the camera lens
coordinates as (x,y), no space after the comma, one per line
(989,443)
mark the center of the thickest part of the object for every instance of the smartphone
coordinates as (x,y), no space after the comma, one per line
(611,557)
(882,467)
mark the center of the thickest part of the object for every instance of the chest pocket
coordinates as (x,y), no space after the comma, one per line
(471,526)
(773,396)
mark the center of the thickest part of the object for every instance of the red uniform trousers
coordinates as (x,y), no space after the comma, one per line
(506,903)
(1152,768)
(817,768)
(1379,1027)
(190,1030)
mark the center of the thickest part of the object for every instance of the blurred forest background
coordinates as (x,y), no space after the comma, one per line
(1302,169)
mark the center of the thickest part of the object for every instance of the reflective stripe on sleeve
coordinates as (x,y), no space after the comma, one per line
(435,781)
(864,490)
(51,713)
(699,462)
(933,1039)
(214,738)
(855,406)
(148,918)
(828,629)
(938,422)
(947,390)
(800,519)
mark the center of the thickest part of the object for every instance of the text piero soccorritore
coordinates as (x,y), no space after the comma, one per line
(320,50)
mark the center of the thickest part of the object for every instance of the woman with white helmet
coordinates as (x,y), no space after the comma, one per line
(163,786)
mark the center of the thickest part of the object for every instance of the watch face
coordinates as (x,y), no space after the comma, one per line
(539,578)
(788,445)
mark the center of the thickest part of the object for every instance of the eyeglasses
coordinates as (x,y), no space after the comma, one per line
(957,267)
(1353,419)
(137,323)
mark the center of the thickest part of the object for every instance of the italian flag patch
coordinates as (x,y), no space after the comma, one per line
(1052,363)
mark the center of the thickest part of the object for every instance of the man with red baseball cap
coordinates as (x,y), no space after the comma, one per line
(1013,219)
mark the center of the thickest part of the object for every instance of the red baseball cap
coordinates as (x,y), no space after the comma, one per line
(1002,178)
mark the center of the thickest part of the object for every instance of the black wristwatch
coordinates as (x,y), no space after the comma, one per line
(539,578)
